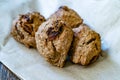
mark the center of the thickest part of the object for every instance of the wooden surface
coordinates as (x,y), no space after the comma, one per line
(6,74)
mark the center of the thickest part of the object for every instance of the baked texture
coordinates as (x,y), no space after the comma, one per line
(53,40)
(24,28)
(86,45)
(69,16)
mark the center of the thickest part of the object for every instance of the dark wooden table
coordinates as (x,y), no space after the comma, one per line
(6,74)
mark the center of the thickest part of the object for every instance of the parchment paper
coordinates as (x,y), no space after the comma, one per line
(102,15)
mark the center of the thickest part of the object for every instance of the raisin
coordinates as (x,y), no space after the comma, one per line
(19,33)
(27,18)
(28,29)
(94,59)
(64,8)
(91,40)
(49,30)
(52,34)
(96,47)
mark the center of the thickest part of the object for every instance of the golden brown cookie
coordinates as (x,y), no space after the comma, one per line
(86,45)
(69,16)
(25,26)
(53,41)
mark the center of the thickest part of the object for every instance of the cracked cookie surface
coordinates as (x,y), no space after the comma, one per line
(86,45)
(69,16)
(24,28)
(53,40)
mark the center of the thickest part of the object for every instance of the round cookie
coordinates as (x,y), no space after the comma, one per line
(69,16)
(25,26)
(86,45)
(53,40)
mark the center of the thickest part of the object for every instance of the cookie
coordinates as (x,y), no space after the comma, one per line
(86,45)
(53,40)
(69,16)
(24,28)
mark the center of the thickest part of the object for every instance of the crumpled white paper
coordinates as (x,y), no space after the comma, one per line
(102,15)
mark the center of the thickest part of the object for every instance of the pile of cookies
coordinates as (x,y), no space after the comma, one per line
(62,35)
